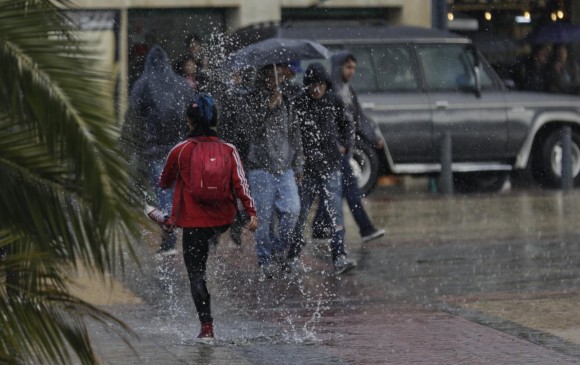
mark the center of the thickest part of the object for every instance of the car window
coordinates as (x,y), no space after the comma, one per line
(450,67)
(395,68)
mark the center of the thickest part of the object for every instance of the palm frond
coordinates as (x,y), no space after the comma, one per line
(66,194)
(49,316)
(63,107)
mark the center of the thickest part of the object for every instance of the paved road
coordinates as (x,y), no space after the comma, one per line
(489,279)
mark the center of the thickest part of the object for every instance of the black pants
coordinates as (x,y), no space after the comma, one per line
(195,252)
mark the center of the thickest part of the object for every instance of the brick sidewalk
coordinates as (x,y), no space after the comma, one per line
(376,315)
(366,335)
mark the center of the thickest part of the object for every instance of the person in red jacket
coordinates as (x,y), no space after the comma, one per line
(202,222)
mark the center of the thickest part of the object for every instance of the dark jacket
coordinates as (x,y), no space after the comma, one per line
(233,123)
(274,141)
(363,125)
(156,116)
(324,127)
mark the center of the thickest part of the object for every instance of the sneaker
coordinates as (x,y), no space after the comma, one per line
(159,217)
(206,332)
(321,233)
(373,235)
(282,263)
(342,264)
(296,266)
(166,253)
(267,272)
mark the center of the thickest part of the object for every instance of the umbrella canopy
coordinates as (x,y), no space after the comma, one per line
(558,32)
(275,51)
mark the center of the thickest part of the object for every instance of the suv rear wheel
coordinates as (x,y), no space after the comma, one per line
(365,165)
(547,162)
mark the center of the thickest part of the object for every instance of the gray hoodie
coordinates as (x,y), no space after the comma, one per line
(364,126)
(275,143)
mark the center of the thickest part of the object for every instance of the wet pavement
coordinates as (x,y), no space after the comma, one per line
(478,279)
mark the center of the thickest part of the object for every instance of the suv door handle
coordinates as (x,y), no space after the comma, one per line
(441,104)
(368,105)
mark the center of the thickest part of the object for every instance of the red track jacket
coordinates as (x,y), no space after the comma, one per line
(186,211)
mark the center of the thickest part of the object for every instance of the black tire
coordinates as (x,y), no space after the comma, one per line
(547,160)
(365,165)
(480,182)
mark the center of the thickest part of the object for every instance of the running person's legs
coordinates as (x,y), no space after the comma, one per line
(195,253)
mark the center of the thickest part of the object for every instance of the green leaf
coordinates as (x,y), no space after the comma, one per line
(66,192)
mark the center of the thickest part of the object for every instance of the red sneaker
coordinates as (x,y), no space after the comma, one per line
(206,331)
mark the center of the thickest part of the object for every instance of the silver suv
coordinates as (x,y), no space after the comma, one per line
(418,84)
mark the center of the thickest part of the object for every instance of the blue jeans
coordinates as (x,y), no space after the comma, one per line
(274,194)
(328,187)
(164,201)
(351,192)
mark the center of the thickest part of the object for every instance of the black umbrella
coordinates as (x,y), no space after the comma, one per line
(558,32)
(275,51)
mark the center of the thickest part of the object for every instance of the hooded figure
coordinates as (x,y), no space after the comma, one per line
(202,223)
(275,144)
(326,136)
(323,124)
(157,105)
(342,70)
(346,93)
(155,123)
(274,162)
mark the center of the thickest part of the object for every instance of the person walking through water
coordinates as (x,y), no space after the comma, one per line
(343,70)
(154,124)
(326,136)
(202,221)
(274,163)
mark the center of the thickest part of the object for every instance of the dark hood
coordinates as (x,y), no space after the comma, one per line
(316,73)
(157,61)
(337,61)
(157,103)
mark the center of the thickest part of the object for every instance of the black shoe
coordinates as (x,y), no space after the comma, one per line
(342,264)
(267,272)
(321,233)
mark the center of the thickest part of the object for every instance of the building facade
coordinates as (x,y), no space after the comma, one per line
(124,29)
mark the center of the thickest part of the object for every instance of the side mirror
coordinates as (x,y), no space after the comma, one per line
(509,84)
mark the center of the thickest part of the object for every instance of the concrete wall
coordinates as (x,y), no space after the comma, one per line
(253,12)
(412,12)
(241,13)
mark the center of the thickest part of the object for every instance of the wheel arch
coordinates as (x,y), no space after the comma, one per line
(386,164)
(542,125)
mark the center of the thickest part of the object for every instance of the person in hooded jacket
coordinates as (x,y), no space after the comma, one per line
(343,70)
(288,72)
(274,163)
(201,222)
(232,127)
(327,135)
(154,124)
